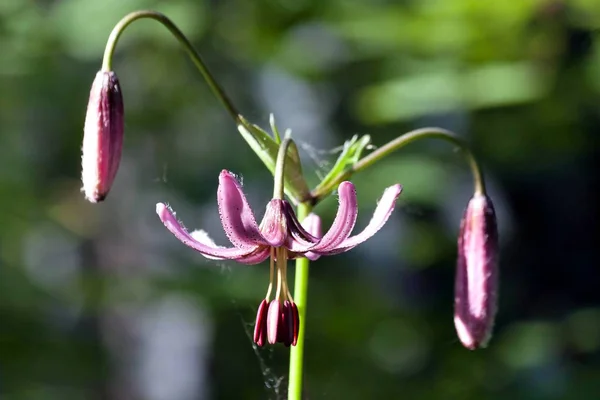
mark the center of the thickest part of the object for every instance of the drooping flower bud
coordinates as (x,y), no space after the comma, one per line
(260,328)
(102,136)
(476,285)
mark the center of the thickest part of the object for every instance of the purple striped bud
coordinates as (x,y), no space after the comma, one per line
(476,286)
(102,136)
(260,328)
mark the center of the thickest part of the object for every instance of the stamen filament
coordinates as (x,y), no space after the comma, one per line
(279,280)
(282,267)
(287,288)
(271,273)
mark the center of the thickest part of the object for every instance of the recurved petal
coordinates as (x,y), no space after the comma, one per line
(236,215)
(344,220)
(204,247)
(256,257)
(312,224)
(202,236)
(299,238)
(380,216)
(273,228)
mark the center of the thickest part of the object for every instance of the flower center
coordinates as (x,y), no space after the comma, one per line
(277,321)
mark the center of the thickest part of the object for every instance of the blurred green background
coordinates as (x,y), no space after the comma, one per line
(101,302)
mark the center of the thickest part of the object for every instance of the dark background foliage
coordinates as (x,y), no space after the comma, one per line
(101,302)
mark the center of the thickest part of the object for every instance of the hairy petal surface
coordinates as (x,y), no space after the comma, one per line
(236,215)
(312,223)
(273,227)
(344,221)
(204,247)
(383,211)
(299,238)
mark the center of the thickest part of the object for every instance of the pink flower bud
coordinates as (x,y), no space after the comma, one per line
(102,136)
(476,286)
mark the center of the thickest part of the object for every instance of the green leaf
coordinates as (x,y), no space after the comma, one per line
(350,155)
(266,149)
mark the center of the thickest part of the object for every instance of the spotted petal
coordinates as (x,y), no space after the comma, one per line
(202,236)
(256,257)
(344,220)
(167,216)
(273,227)
(299,238)
(380,216)
(259,255)
(312,223)
(236,215)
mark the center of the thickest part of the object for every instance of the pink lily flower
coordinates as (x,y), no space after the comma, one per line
(280,236)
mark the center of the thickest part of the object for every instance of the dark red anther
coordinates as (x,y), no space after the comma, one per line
(260,328)
(296,321)
(273,319)
(282,323)
(287,321)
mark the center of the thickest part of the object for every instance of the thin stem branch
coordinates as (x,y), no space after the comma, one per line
(401,141)
(300,296)
(278,188)
(182,39)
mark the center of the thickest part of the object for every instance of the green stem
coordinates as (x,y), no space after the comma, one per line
(189,48)
(280,168)
(399,142)
(300,295)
